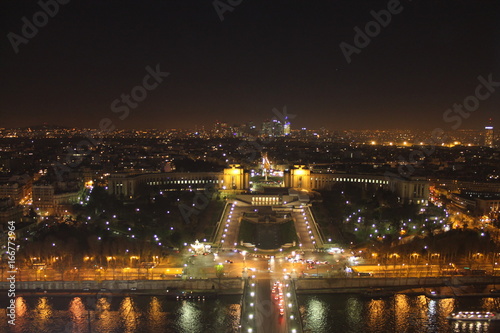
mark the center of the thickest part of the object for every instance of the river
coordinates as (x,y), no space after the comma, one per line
(324,313)
(399,314)
(135,314)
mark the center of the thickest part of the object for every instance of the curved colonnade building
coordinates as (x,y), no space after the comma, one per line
(235,180)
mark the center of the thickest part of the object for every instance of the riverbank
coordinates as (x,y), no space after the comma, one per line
(433,293)
(228,286)
(170,294)
(486,286)
(368,282)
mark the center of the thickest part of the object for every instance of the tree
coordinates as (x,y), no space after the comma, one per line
(219,272)
(62,264)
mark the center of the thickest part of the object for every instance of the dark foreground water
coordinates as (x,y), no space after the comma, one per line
(122,315)
(321,314)
(399,314)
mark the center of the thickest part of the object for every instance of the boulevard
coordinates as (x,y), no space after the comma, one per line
(309,258)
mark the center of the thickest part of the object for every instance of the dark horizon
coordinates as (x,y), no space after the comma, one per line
(261,56)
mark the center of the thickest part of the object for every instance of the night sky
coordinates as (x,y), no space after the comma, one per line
(264,54)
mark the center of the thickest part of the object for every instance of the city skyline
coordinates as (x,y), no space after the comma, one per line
(237,65)
(258,124)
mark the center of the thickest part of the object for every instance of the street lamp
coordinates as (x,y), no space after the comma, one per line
(244,253)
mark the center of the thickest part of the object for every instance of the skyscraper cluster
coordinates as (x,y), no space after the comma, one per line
(269,128)
(275,128)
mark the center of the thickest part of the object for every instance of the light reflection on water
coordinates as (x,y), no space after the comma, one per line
(122,314)
(77,312)
(399,313)
(355,309)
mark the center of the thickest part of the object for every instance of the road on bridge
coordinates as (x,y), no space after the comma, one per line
(268,319)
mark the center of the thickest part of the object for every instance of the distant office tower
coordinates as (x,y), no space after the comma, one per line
(267,128)
(277,128)
(286,127)
(273,128)
(489,136)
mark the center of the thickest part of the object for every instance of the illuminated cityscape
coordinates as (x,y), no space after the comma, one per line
(250,167)
(174,208)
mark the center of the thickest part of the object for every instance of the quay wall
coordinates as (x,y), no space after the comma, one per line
(312,284)
(118,285)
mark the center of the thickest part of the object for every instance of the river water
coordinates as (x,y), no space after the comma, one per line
(321,314)
(399,314)
(135,314)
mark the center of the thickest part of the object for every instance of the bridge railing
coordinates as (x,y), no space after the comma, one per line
(319,233)
(247,322)
(295,322)
(215,236)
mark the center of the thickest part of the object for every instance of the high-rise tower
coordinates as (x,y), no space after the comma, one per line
(489,136)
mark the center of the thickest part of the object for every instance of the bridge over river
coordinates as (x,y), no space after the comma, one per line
(261,309)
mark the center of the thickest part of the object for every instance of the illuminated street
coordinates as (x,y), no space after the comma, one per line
(268,317)
(306,234)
